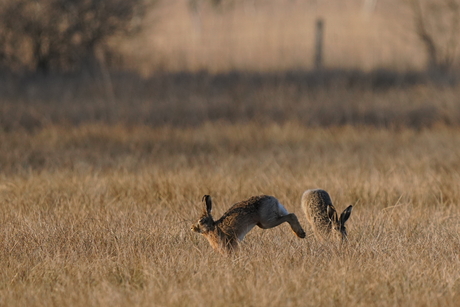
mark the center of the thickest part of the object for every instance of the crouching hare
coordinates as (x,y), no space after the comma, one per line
(225,233)
(322,215)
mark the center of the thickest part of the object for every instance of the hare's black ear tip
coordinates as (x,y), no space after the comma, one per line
(205,197)
(208,202)
(348,210)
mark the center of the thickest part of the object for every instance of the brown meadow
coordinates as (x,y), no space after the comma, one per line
(100,215)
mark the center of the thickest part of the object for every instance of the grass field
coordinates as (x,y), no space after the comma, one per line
(100,215)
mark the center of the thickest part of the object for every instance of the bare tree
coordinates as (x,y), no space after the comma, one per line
(437,24)
(63,34)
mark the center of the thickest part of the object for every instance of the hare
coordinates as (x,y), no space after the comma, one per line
(225,233)
(322,215)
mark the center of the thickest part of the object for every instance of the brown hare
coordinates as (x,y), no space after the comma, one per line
(322,215)
(225,233)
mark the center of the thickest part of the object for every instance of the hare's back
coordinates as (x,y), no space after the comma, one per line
(255,207)
(315,200)
(255,204)
(246,207)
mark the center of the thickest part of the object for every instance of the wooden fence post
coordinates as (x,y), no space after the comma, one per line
(319,44)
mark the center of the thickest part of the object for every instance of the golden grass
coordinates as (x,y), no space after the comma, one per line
(100,216)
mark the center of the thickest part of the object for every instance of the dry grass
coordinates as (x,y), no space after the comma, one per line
(100,216)
(333,98)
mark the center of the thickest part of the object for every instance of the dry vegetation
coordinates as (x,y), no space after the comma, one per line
(99,215)
(334,98)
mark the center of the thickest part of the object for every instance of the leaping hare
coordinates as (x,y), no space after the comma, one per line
(322,215)
(225,233)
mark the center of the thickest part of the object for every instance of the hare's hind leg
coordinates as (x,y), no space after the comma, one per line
(293,221)
(279,216)
(291,218)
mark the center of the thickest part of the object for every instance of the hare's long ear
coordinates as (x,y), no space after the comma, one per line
(331,213)
(345,215)
(208,200)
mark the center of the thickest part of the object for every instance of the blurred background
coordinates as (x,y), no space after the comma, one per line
(279,35)
(184,62)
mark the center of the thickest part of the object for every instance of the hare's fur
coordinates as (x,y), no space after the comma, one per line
(322,216)
(225,233)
